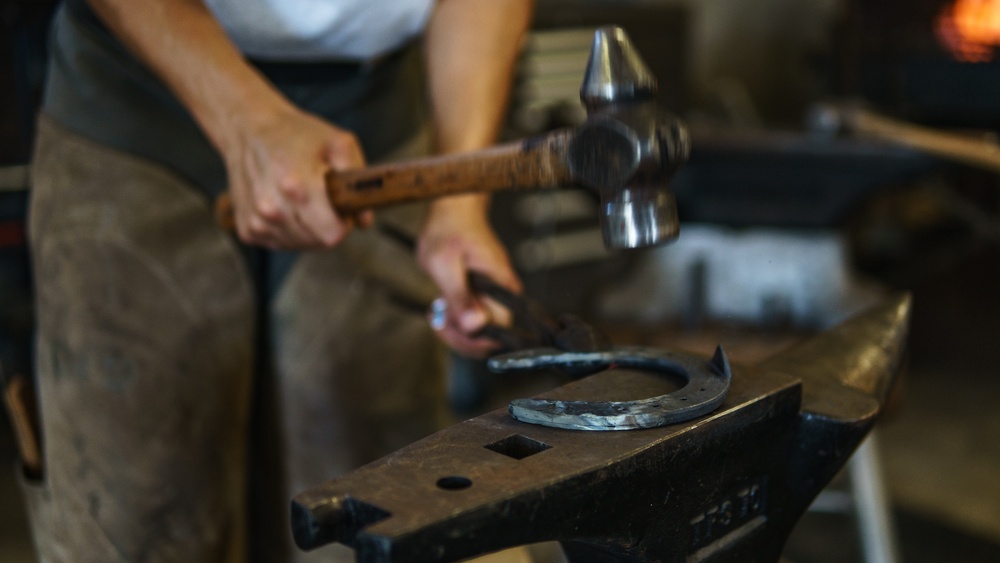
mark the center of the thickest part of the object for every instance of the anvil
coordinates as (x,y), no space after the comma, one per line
(726,486)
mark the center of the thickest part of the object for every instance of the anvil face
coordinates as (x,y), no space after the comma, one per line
(728,486)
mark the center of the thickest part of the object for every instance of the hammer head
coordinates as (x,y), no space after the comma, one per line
(629,148)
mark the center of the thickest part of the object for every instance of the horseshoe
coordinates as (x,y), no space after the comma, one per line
(706,388)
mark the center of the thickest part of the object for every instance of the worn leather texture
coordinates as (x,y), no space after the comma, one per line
(148,319)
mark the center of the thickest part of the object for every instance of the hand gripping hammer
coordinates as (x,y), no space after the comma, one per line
(626,151)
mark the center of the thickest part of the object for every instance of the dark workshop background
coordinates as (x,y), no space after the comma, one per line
(818,224)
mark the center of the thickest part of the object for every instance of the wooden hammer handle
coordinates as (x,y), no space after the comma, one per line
(537,162)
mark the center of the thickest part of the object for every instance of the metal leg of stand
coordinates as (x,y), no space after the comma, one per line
(871,504)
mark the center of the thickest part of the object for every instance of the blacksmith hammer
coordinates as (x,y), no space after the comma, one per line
(727,486)
(627,150)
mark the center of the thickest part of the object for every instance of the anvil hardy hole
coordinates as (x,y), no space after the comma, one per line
(454,483)
(517,446)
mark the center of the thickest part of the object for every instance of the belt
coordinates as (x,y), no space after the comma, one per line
(294,72)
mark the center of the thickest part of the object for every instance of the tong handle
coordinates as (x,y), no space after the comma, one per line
(533,326)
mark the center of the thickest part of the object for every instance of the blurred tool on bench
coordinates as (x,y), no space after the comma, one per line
(855,120)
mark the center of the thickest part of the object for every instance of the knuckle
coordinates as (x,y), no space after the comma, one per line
(256,229)
(346,149)
(291,186)
(269,210)
(347,140)
(244,234)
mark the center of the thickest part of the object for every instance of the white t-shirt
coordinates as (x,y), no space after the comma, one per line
(314,30)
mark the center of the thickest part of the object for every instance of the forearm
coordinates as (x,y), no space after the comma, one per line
(185,46)
(276,155)
(472,47)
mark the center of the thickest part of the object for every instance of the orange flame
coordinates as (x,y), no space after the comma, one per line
(970,29)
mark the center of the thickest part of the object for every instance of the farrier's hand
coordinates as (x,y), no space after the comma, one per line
(276,162)
(457,239)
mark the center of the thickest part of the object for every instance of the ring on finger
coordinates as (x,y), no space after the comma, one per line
(439,313)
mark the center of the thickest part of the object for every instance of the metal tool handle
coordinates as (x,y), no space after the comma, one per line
(538,162)
(956,147)
(533,326)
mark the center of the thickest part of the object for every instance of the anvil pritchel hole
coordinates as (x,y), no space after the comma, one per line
(454,483)
(517,446)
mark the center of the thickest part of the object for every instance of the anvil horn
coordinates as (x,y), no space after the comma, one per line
(725,487)
(861,355)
